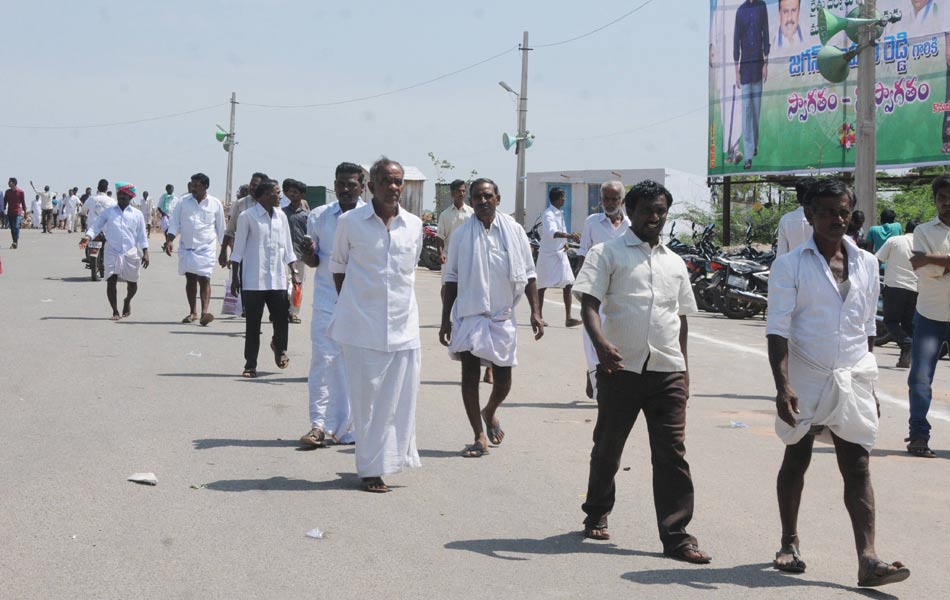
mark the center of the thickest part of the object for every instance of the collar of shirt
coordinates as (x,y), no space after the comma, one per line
(631,239)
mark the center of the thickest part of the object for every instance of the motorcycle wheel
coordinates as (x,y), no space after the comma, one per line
(711,299)
(736,309)
(102,266)
(700,299)
(94,272)
(431,261)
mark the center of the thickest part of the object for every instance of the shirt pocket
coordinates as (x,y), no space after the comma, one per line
(404,257)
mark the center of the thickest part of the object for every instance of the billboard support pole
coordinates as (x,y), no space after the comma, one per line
(520,181)
(726,210)
(865,163)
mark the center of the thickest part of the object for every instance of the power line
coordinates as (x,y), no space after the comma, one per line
(390,92)
(635,129)
(593,31)
(116,123)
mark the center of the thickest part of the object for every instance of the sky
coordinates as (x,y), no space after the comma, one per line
(632,95)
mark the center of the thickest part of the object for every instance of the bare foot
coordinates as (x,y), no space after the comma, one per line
(115,317)
(489,375)
(572,322)
(127,308)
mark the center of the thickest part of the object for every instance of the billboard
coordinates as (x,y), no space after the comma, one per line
(771,111)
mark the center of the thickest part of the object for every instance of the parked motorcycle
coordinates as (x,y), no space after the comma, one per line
(431,256)
(94,257)
(745,280)
(534,239)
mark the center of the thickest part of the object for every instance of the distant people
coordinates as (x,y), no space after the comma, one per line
(489,269)
(126,247)
(46,207)
(751,54)
(71,210)
(166,204)
(599,228)
(878,234)
(376,323)
(644,291)
(146,207)
(199,219)
(454,216)
(794,228)
(821,329)
(57,207)
(14,204)
(900,291)
(297,213)
(331,418)
(37,211)
(263,251)
(931,262)
(553,267)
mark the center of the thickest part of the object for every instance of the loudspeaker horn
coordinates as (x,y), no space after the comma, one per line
(829,25)
(833,63)
(220,134)
(508,141)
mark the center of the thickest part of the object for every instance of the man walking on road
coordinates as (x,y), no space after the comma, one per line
(821,328)
(554,269)
(931,262)
(263,251)
(599,228)
(376,322)
(126,248)
(297,213)
(645,293)
(46,206)
(900,291)
(15,205)
(794,228)
(166,204)
(236,209)
(454,216)
(100,202)
(489,268)
(330,415)
(199,219)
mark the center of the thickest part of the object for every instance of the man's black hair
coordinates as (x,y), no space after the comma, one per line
(645,190)
(941,182)
(458,183)
(830,187)
(202,179)
(287,184)
(169,188)
(13,179)
(301,187)
(888,215)
(262,188)
(479,181)
(348,168)
(261,176)
(802,191)
(555,193)
(911,225)
(102,186)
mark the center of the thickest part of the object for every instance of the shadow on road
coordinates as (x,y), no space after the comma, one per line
(346,481)
(572,404)
(422,453)
(205,331)
(131,321)
(735,397)
(754,576)
(207,444)
(455,383)
(70,279)
(572,542)
(76,319)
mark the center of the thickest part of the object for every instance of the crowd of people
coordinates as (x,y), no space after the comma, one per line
(635,296)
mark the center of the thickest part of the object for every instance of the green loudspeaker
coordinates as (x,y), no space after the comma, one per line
(833,63)
(220,134)
(829,25)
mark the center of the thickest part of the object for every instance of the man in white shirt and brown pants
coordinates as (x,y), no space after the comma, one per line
(821,327)
(645,293)
(263,251)
(931,262)
(376,323)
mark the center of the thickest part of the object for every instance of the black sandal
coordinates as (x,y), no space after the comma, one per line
(689,553)
(249,374)
(796,566)
(919,447)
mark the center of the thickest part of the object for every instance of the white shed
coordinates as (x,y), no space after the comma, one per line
(412,193)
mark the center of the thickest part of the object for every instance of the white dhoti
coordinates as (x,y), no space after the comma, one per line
(554,270)
(383,389)
(840,400)
(126,266)
(199,261)
(37,218)
(329,393)
(495,341)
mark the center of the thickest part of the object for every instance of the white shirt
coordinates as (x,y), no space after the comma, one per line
(124,229)
(145,205)
(321,227)
(451,218)
(793,230)
(643,291)
(377,305)
(236,209)
(70,205)
(552,221)
(599,229)
(284,201)
(97,204)
(933,282)
(197,223)
(806,308)
(264,245)
(896,253)
(46,200)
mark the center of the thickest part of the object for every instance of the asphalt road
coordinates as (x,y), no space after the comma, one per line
(85,402)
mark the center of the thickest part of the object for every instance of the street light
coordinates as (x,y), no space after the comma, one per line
(508,88)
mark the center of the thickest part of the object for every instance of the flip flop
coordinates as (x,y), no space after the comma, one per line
(683,554)
(189,319)
(919,447)
(476,450)
(249,374)
(206,318)
(281,359)
(900,573)
(496,435)
(796,566)
(375,485)
(596,533)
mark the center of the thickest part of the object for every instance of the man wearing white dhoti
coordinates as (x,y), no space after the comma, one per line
(821,328)
(376,323)
(71,209)
(330,415)
(487,270)
(554,269)
(199,219)
(126,248)
(599,228)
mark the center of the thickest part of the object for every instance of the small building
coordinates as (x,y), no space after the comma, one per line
(412,193)
(582,191)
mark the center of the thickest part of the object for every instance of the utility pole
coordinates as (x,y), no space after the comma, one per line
(865,163)
(520,183)
(227,192)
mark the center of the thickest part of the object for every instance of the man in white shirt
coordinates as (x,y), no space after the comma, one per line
(376,323)
(46,207)
(166,205)
(900,290)
(931,262)
(489,268)
(236,209)
(601,227)
(330,415)
(126,248)
(145,205)
(264,251)
(554,268)
(452,217)
(644,290)
(71,209)
(821,328)
(98,203)
(793,227)
(199,219)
